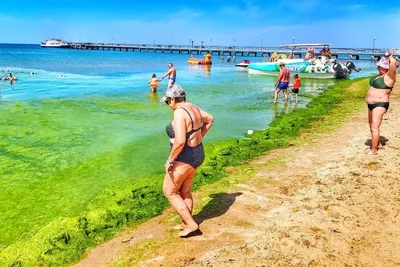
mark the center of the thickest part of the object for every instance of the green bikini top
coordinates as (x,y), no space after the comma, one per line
(379,83)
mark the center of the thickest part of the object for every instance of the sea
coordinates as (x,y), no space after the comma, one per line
(239,101)
(76,78)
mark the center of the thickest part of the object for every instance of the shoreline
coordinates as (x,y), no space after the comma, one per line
(99,224)
(306,204)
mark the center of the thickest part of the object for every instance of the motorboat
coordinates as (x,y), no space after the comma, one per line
(323,66)
(54,43)
(243,63)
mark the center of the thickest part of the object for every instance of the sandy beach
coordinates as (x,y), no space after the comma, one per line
(319,202)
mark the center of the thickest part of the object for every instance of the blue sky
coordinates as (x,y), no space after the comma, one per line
(218,22)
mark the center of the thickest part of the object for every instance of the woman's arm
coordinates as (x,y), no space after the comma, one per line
(392,67)
(207,120)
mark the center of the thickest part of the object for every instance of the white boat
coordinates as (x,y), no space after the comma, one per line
(306,69)
(322,67)
(243,64)
(54,43)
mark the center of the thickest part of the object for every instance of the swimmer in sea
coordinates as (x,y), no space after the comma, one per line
(10,77)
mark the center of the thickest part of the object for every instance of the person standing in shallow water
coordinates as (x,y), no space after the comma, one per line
(282,83)
(153,82)
(378,97)
(186,131)
(171,73)
(296,87)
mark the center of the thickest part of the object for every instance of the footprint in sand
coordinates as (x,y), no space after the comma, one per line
(373,165)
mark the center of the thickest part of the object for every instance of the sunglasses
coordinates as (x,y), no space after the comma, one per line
(167,101)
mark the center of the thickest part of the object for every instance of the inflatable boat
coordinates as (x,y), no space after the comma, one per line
(198,61)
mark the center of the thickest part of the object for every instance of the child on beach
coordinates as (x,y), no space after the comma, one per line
(153,82)
(296,87)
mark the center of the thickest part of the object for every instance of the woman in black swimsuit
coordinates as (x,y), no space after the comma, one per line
(378,97)
(186,131)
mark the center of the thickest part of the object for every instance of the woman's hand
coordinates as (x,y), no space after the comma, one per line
(169,166)
(389,54)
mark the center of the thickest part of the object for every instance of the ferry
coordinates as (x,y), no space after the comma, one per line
(54,43)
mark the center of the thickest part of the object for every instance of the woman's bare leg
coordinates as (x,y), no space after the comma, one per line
(375,117)
(172,184)
(370,122)
(186,191)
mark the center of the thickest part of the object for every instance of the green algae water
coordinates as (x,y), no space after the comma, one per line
(86,122)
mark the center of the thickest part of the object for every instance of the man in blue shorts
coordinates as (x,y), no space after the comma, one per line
(282,83)
(171,75)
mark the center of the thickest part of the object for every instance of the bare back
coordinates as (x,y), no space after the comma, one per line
(284,75)
(191,114)
(196,137)
(202,122)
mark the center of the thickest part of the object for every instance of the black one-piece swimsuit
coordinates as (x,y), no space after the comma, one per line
(194,156)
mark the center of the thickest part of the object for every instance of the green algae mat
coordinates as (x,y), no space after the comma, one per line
(58,155)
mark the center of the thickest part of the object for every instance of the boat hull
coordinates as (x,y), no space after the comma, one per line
(303,75)
(297,66)
(54,46)
(54,43)
(242,65)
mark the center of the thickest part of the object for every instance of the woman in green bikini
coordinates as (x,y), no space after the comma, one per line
(378,97)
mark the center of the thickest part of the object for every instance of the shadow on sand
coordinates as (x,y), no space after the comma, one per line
(382,140)
(217,206)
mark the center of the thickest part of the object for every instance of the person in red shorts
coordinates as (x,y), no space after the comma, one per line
(296,87)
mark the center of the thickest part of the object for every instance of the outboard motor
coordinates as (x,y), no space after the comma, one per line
(340,72)
(350,65)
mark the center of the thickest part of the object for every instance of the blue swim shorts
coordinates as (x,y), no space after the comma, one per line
(282,85)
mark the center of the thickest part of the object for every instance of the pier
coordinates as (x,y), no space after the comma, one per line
(245,51)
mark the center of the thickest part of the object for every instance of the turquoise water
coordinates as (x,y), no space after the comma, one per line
(74,74)
(72,98)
